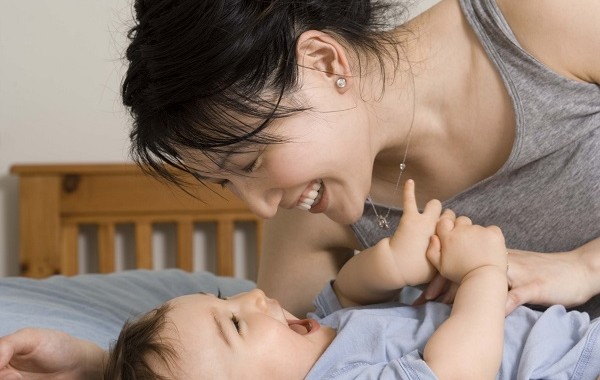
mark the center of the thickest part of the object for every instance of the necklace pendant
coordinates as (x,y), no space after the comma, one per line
(382,222)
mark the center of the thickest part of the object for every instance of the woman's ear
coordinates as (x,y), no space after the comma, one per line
(319,51)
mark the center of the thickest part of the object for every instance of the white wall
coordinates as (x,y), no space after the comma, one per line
(60,71)
(419,6)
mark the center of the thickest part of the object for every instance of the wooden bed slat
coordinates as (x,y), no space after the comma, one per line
(106,247)
(225,230)
(143,245)
(185,236)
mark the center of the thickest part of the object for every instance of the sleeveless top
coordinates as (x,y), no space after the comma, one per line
(546,197)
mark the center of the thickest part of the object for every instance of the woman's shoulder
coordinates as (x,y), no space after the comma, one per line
(565,36)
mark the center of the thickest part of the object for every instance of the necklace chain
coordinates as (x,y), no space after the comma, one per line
(382,220)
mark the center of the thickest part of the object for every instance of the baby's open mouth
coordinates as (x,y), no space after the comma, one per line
(303,326)
(311,196)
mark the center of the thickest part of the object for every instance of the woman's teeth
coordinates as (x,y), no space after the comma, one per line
(312,197)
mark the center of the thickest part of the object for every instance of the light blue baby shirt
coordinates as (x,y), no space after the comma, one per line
(386,341)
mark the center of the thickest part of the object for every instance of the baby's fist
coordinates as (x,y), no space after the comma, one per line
(466,247)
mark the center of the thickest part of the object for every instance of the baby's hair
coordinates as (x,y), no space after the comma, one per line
(139,349)
(205,75)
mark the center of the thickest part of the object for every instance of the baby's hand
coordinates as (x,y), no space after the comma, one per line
(466,247)
(411,239)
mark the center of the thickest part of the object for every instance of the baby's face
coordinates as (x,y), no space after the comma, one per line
(248,336)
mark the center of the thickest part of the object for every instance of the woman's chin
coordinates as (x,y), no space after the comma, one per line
(346,216)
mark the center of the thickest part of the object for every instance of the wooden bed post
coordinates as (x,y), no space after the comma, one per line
(39,205)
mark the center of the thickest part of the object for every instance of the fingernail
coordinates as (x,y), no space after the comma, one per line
(13,376)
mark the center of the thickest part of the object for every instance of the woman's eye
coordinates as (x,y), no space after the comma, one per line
(204,179)
(254,165)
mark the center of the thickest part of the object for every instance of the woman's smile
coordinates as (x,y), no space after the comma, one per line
(311,196)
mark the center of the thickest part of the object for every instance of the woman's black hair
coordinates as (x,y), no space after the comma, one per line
(205,75)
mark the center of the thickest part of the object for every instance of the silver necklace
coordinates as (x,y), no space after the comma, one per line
(382,220)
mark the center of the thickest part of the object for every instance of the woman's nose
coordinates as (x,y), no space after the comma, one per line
(263,203)
(261,209)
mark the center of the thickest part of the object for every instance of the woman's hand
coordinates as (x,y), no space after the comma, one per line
(32,353)
(566,278)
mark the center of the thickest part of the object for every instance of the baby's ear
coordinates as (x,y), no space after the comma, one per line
(316,50)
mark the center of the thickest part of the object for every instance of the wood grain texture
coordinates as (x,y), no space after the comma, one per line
(54,200)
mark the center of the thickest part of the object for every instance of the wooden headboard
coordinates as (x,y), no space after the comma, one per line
(55,200)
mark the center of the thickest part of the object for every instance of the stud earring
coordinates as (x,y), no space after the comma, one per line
(341,82)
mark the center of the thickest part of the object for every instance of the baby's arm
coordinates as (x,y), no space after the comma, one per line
(375,274)
(469,344)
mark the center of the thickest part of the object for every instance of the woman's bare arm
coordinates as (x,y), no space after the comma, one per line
(35,353)
(563,35)
(565,278)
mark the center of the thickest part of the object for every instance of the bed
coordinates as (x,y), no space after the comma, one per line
(58,202)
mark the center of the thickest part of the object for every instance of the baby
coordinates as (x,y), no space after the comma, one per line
(250,336)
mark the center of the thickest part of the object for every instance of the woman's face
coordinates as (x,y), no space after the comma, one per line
(324,165)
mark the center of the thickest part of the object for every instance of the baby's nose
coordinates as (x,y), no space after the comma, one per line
(259,297)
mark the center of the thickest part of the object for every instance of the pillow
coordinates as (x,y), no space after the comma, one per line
(95,306)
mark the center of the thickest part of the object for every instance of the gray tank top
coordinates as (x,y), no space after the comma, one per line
(546,197)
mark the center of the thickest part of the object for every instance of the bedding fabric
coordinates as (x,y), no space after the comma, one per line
(95,306)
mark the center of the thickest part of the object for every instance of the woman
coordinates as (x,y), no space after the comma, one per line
(275,99)
(313,114)
(311,105)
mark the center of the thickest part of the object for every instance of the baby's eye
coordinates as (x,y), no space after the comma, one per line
(236,322)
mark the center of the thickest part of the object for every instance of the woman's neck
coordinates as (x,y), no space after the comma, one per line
(435,97)
(425,93)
